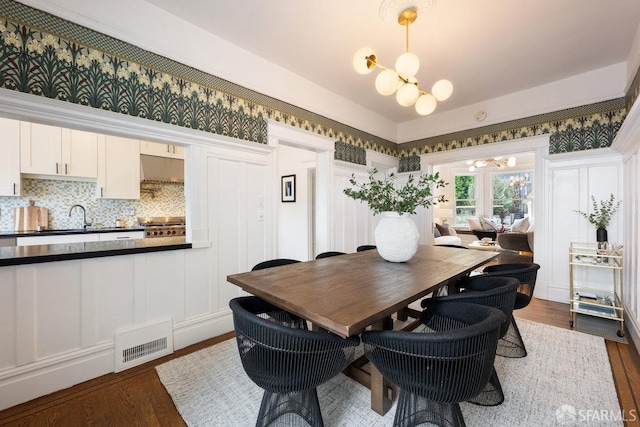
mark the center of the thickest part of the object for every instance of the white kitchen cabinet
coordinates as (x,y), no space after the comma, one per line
(10,183)
(78,238)
(80,153)
(161,150)
(122,235)
(57,239)
(118,168)
(50,150)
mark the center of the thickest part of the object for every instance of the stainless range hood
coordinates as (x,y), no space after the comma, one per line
(161,169)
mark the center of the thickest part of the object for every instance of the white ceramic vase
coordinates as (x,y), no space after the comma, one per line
(396,237)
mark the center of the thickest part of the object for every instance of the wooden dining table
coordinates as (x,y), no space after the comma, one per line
(347,293)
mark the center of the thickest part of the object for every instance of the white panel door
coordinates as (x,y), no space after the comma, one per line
(232,236)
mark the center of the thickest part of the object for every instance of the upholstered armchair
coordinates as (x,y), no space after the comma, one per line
(518,242)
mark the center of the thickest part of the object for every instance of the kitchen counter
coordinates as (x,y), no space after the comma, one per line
(88,230)
(19,255)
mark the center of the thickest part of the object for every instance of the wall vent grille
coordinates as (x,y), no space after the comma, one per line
(138,345)
(129,354)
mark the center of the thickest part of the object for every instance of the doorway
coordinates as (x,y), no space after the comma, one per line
(303,228)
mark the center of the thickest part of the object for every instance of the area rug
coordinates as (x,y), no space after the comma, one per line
(564,380)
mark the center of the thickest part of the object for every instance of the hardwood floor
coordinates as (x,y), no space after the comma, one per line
(137,398)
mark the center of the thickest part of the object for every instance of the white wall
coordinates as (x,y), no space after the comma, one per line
(293,218)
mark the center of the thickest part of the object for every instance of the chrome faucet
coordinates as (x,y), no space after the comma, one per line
(84,215)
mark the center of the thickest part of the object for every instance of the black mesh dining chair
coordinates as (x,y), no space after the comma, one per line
(274,263)
(282,316)
(497,292)
(287,363)
(512,345)
(435,371)
(365,248)
(329,254)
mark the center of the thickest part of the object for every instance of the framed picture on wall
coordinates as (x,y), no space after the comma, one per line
(288,188)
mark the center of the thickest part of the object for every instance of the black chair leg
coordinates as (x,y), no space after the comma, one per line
(511,345)
(492,394)
(304,404)
(415,410)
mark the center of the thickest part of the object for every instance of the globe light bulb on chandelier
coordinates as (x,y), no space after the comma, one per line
(387,82)
(407,94)
(401,80)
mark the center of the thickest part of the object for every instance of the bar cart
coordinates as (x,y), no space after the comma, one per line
(605,302)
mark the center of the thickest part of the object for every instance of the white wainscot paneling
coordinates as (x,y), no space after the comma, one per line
(342,211)
(231,218)
(237,231)
(8,310)
(58,319)
(564,225)
(352,222)
(573,182)
(57,302)
(256,213)
(198,285)
(164,273)
(112,305)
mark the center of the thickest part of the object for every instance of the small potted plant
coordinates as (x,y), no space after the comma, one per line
(396,234)
(601,214)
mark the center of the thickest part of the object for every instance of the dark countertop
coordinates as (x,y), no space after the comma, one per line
(18,255)
(88,230)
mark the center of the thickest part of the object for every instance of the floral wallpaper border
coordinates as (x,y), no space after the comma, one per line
(47,56)
(350,153)
(44,55)
(575,129)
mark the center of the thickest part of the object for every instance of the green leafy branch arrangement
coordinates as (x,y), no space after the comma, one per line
(602,213)
(382,195)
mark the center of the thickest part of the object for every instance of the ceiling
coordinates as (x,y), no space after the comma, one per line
(487,49)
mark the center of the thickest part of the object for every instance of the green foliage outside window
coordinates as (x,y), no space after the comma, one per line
(465,188)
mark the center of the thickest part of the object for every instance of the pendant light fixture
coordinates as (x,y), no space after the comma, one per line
(401,80)
(500,162)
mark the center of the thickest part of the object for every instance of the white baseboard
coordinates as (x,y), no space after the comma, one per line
(28,382)
(558,294)
(196,330)
(38,379)
(633,327)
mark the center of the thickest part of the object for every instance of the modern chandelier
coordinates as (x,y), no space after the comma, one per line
(401,80)
(498,161)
